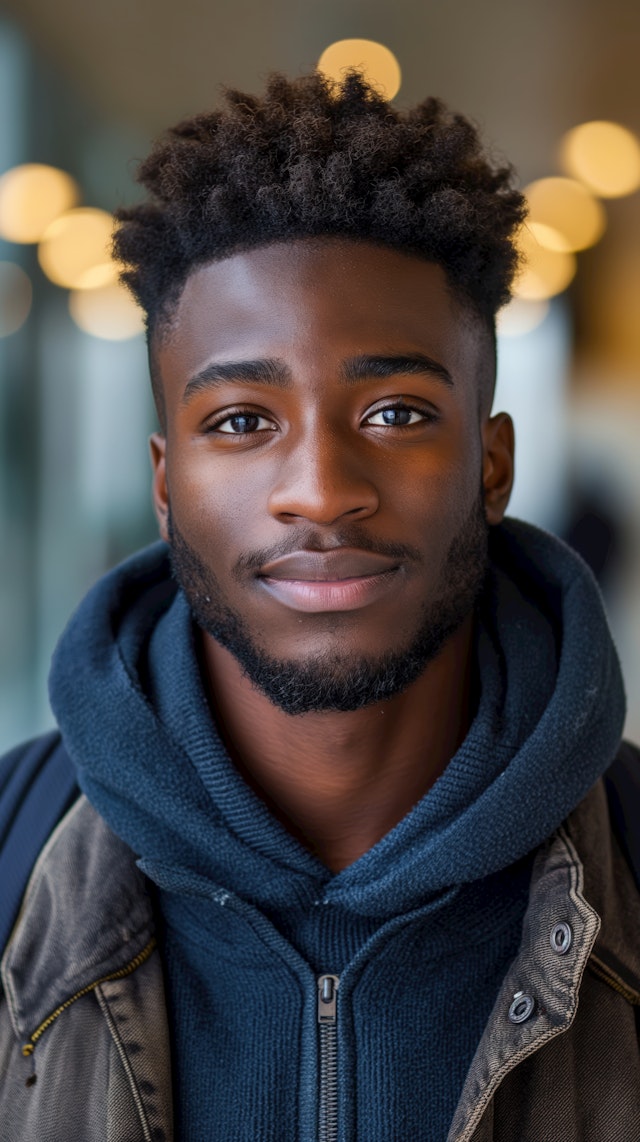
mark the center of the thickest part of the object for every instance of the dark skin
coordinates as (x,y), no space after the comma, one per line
(317,456)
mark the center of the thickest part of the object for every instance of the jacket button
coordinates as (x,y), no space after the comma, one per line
(561,937)
(521,1008)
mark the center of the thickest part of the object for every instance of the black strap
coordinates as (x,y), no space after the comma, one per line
(37,786)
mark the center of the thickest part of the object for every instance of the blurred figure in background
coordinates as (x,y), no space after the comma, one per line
(596,531)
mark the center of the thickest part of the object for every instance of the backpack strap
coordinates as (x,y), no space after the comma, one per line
(622,783)
(37,786)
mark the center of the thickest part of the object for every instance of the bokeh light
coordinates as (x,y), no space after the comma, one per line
(520,317)
(108,312)
(31,197)
(576,219)
(377,63)
(604,156)
(15,297)
(75,249)
(549,237)
(544,272)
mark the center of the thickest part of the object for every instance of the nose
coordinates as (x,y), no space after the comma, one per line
(322,479)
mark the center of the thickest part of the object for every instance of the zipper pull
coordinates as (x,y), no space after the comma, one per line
(327,989)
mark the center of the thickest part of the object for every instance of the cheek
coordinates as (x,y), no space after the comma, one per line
(213,498)
(438,486)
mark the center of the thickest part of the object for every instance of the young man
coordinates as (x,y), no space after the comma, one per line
(342,867)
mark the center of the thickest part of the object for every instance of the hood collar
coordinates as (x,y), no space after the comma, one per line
(126,689)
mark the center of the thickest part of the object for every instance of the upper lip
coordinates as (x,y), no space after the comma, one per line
(339,563)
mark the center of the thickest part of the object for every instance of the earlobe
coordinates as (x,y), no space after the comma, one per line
(498,445)
(158,448)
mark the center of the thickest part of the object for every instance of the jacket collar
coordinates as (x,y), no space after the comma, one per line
(74,930)
(610,888)
(581,886)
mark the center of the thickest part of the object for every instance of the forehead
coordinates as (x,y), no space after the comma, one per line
(318,298)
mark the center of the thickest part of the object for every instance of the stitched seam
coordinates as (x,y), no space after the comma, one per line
(610,977)
(576,894)
(120,973)
(124,1059)
(509,1065)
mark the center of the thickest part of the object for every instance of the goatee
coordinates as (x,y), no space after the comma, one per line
(336,680)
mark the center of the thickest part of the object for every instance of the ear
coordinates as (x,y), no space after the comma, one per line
(498,444)
(158,447)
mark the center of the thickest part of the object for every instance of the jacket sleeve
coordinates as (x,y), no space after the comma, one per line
(37,786)
(622,783)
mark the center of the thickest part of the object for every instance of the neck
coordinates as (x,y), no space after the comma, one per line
(341,781)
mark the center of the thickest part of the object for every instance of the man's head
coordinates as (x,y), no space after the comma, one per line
(321,276)
(310,159)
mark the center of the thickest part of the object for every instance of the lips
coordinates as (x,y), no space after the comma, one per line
(345,579)
(328,566)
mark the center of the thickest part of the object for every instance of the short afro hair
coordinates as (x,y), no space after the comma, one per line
(313,158)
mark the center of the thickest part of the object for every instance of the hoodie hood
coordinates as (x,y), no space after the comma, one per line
(126,690)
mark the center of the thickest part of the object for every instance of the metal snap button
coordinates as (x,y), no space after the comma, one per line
(561,937)
(521,1008)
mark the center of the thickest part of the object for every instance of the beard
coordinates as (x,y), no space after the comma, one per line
(336,680)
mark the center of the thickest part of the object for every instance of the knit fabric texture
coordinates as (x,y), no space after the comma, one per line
(420,929)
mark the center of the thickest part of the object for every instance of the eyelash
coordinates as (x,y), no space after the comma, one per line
(427,417)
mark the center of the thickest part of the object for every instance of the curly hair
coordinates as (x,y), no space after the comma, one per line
(312,158)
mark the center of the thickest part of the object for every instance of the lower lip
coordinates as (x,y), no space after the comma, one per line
(318,595)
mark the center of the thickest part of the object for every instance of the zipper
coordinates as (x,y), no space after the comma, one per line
(29,1047)
(328,1069)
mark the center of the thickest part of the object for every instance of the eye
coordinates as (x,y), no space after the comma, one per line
(242,424)
(397,416)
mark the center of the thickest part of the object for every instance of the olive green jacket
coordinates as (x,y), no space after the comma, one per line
(84,1043)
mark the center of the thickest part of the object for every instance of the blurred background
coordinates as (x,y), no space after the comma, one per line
(84,88)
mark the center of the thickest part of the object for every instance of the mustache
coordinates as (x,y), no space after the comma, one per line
(312,540)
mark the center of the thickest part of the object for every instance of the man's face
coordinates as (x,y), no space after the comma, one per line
(321,478)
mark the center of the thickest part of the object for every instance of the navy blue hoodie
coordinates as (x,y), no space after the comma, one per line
(418,932)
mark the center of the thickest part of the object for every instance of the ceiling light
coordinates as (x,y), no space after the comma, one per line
(576,219)
(31,197)
(520,317)
(604,156)
(376,62)
(544,272)
(108,312)
(75,249)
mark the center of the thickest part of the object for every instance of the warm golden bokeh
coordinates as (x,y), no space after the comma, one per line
(75,249)
(520,317)
(108,312)
(576,219)
(31,197)
(544,272)
(377,63)
(604,156)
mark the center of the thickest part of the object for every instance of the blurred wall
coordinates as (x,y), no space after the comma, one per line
(75,412)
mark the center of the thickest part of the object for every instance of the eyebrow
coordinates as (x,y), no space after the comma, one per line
(374,367)
(264,371)
(275,373)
